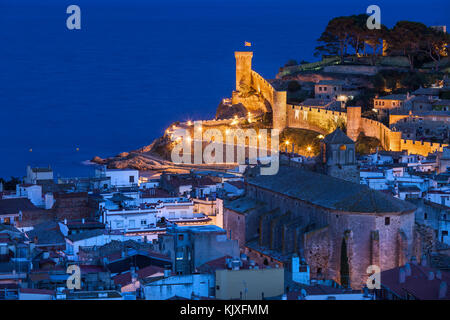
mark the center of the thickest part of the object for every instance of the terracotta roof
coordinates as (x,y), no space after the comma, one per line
(36,291)
(14,205)
(416,284)
(221,264)
(149,271)
(124,279)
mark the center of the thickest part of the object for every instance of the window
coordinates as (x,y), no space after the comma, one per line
(425,216)
(387,221)
(180,237)
(343,147)
(143,222)
(119,223)
(131,179)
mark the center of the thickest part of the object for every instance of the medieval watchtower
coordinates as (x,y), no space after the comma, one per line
(247,80)
(243,70)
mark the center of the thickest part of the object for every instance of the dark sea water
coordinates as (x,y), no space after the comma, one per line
(136,66)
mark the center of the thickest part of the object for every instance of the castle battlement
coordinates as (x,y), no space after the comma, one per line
(324,121)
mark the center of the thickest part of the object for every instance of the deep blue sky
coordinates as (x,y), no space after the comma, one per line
(136,66)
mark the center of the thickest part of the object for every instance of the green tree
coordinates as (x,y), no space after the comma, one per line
(374,39)
(336,37)
(407,38)
(358,31)
(435,45)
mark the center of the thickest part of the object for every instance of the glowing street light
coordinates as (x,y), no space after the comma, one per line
(308,148)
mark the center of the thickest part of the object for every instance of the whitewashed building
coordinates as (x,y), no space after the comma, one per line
(184,286)
(119,177)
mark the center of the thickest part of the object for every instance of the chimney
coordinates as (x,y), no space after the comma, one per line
(431,275)
(134,274)
(442,290)
(401,276)
(82,220)
(65,221)
(228,262)
(423,261)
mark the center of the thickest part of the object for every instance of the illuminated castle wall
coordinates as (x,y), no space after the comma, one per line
(324,121)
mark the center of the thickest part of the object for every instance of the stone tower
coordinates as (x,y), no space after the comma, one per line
(339,156)
(354,126)
(279,110)
(243,69)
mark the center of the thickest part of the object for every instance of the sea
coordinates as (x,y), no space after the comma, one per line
(136,66)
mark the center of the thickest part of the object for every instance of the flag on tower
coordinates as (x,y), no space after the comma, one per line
(248,44)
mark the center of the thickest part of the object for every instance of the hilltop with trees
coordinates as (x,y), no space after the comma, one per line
(349,35)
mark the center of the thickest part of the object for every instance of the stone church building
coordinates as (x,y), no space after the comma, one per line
(337,225)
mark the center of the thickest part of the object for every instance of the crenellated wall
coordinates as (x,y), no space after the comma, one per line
(316,119)
(321,120)
(262,86)
(421,147)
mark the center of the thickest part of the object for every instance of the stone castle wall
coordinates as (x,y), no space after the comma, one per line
(316,119)
(320,120)
(420,147)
